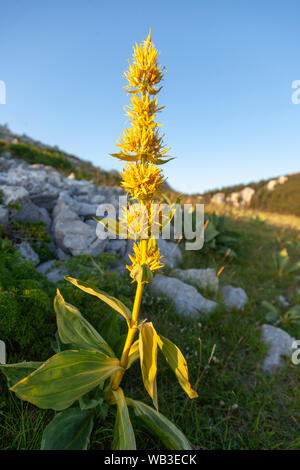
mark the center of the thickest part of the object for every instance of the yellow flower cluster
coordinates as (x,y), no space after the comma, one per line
(142,181)
(142,146)
(150,257)
(144,72)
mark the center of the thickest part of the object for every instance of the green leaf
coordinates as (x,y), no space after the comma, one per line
(69,430)
(270,307)
(178,364)
(114,303)
(92,399)
(210,232)
(148,359)
(124,438)
(16,372)
(110,328)
(272,317)
(75,329)
(169,434)
(65,377)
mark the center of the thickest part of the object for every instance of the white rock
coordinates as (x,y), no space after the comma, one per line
(27,252)
(201,278)
(14,194)
(271,185)
(218,198)
(246,195)
(234,298)
(72,235)
(282,179)
(280,344)
(186,299)
(234,198)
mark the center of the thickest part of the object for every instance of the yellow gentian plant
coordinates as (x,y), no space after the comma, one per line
(85,361)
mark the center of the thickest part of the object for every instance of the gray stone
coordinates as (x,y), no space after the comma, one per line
(280,344)
(117,246)
(53,273)
(27,252)
(283,301)
(186,299)
(171,252)
(201,278)
(14,194)
(46,266)
(72,235)
(234,298)
(246,195)
(80,208)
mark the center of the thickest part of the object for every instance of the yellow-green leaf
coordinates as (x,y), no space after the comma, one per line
(125,157)
(124,438)
(134,353)
(178,364)
(74,329)
(108,299)
(65,377)
(15,372)
(148,358)
(169,434)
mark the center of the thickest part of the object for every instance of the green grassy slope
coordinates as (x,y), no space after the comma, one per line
(238,407)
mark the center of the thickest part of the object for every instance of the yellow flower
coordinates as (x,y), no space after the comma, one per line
(144,141)
(144,72)
(150,257)
(142,110)
(142,181)
(134,221)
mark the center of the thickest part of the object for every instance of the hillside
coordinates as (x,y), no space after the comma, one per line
(35,152)
(280,195)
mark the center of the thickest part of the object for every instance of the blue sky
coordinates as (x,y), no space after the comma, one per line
(229,116)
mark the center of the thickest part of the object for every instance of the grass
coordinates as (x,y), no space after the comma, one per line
(238,407)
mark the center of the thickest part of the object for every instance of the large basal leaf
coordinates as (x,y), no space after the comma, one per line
(148,359)
(16,372)
(169,434)
(108,299)
(124,438)
(65,377)
(74,329)
(178,364)
(69,430)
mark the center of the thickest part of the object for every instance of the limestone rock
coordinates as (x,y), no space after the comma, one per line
(186,299)
(280,344)
(234,298)
(201,278)
(27,252)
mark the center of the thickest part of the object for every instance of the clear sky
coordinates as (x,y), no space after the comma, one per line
(229,116)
